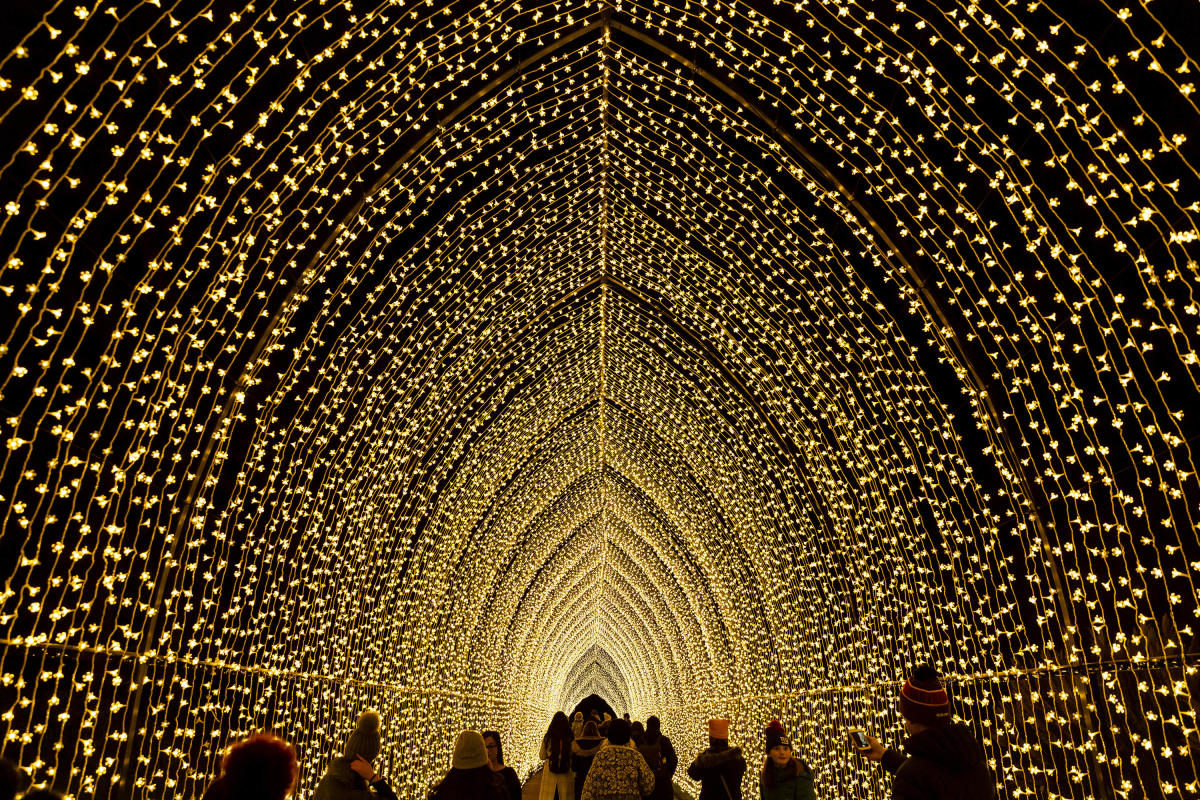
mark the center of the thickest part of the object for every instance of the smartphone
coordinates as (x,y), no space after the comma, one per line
(859,740)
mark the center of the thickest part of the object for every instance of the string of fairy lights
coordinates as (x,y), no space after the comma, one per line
(724,358)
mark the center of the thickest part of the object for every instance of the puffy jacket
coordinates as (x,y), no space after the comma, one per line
(719,770)
(942,764)
(618,773)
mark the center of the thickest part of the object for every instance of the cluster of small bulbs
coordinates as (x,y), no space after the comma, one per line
(720,358)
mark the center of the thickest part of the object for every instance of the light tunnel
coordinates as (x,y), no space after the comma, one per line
(719,358)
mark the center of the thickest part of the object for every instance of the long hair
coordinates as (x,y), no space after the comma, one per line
(558,736)
(653,729)
(792,769)
(499,747)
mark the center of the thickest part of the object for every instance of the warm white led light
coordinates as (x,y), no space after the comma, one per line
(723,358)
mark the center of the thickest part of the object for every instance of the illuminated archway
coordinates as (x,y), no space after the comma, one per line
(719,359)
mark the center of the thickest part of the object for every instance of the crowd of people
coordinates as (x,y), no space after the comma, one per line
(602,758)
(615,759)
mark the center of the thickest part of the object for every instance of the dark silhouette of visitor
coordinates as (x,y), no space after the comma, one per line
(944,761)
(470,777)
(260,767)
(10,779)
(350,776)
(583,750)
(618,771)
(784,776)
(507,775)
(557,777)
(660,756)
(719,768)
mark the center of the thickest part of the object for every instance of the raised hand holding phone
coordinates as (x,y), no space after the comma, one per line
(866,745)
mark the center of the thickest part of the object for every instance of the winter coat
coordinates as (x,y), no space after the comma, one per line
(477,783)
(942,764)
(719,770)
(664,770)
(618,772)
(582,753)
(792,781)
(340,782)
(512,784)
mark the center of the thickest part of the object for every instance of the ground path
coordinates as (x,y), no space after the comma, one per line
(532,786)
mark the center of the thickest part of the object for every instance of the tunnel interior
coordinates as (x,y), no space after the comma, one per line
(728,359)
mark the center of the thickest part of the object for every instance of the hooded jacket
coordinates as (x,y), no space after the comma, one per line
(342,783)
(942,764)
(719,769)
(582,752)
(476,783)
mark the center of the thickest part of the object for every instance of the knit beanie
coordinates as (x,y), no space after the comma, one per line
(469,751)
(718,729)
(923,700)
(776,736)
(364,741)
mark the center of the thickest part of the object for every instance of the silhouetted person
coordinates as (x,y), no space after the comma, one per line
(507,775)
(577,724)
(583,750)
(350,776)
(719,768)
(470,777)
(944,760)
(260,767)
(618,771)
(10,779)
(660,757)
(557,777)
(784,776)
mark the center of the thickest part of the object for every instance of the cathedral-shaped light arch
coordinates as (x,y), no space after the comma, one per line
(402,354)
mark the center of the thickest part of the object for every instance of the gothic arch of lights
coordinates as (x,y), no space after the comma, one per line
(720,358)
